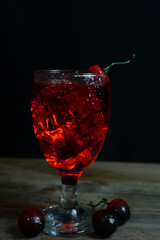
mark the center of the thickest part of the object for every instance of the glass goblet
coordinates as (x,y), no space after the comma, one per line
(70,112)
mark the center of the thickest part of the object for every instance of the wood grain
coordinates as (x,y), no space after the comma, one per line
(26,183)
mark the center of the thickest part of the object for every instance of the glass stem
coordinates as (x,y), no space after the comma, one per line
(69,196)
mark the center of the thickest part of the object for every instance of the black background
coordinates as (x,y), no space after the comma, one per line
(38,34)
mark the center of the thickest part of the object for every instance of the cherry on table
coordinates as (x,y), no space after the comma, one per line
(31,222)
(104,222)
(121,209)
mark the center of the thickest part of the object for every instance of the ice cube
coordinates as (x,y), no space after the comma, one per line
(82,102)
(65,152)
(62,164)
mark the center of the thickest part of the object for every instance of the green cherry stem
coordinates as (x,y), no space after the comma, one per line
(104,201)
(133,56)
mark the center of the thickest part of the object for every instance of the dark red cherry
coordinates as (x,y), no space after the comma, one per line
(94,69)
(121,209)
(97,69)
(31,222)
(104,222)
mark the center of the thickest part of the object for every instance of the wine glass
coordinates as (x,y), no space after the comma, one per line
(70,112)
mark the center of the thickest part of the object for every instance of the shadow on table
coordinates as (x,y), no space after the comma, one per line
(15,232)
(95,236)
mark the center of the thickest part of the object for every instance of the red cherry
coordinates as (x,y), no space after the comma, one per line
(104,222)
(121,209)
(31,222)
(94,69)
(97,69)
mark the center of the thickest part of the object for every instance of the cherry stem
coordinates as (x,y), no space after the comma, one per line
(133,56)
(104,201)
(18,212)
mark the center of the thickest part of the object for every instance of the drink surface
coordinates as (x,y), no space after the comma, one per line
(70,122)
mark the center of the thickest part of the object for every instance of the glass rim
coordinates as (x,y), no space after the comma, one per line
(64,72)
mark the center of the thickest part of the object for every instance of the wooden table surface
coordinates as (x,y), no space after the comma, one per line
(26,183)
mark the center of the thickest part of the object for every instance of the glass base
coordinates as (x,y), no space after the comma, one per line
(68,222)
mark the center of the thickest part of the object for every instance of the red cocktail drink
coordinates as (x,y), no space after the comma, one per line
(70,122)
(70,112)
